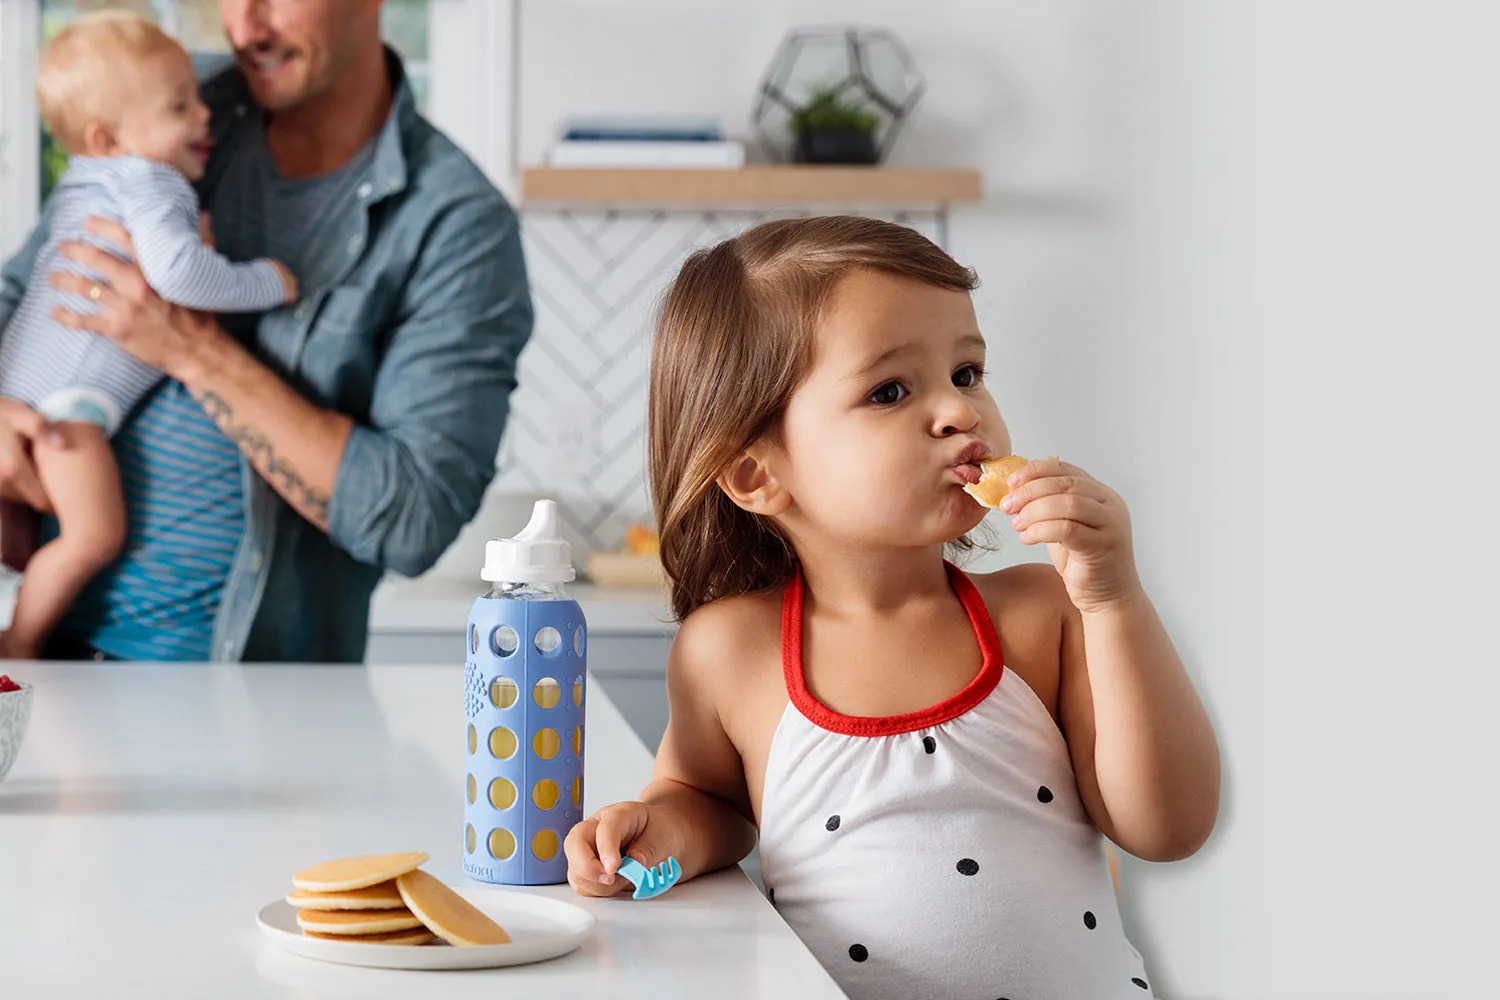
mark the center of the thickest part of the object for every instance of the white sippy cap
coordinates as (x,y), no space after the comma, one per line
(537,554)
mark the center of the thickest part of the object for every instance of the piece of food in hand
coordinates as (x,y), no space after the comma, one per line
(446,913)
(641,541)
(992,486)
(7,685)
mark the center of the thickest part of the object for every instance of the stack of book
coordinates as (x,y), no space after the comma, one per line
(644,141)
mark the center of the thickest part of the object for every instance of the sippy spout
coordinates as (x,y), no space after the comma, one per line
(536,554)
(543,524)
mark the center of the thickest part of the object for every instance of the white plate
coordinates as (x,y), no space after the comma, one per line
(540,928)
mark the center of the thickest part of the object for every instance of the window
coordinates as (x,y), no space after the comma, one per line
(469,39)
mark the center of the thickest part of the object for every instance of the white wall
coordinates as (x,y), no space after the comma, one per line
(1305,257)
(1274,338)
(1011,84)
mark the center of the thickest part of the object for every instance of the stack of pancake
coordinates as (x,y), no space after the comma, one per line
(387,899)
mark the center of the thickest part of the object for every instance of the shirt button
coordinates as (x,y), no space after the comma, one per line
(364,190)
(227,651)
(239,110)
(353,245)
(255,561)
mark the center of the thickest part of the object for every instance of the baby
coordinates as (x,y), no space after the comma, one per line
(122,99)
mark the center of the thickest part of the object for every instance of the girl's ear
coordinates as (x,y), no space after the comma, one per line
(752,484)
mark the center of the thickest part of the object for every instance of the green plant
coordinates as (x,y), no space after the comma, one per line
(827,111)
(54,162)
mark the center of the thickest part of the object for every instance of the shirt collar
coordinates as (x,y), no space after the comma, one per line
(228,96)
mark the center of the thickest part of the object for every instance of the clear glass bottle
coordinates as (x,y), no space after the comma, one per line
(524,699)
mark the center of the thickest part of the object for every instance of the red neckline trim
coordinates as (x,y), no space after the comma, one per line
(867,725)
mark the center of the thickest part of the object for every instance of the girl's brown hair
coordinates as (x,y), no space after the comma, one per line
(734,340)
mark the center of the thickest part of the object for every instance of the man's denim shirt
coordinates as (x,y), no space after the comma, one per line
(417,340)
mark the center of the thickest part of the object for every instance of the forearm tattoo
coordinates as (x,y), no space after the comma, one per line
(262,454)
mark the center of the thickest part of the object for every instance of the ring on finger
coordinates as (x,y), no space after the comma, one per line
(94,292)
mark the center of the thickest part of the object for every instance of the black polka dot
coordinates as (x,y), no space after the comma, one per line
(929,744)
(833,823)
(1089,920)
(1044,795)
(1139,982)
(968,866)
(858,952)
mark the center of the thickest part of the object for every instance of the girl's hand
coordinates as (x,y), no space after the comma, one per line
(594,846)
(1085,527)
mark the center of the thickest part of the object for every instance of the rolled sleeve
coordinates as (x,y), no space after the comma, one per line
(415,473)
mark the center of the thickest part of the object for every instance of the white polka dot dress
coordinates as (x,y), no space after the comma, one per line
(944,853)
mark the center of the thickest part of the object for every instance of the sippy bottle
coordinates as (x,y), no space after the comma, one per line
(524,684)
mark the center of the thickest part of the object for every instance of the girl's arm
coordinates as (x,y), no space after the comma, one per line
(697,807)
(699,776)
(1143,751)
(1142,747)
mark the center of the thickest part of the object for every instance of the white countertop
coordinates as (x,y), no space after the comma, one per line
(437,604)
(440,605)
(155,809)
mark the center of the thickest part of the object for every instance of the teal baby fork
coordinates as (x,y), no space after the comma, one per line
(651,882)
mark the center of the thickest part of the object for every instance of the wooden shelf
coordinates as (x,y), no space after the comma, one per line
(753,185)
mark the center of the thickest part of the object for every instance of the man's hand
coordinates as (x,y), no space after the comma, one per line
(20,426)
(295,446)
(131,314)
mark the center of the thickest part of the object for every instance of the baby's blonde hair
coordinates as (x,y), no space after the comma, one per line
(79,78)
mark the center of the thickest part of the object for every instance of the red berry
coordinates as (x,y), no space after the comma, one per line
(7,685)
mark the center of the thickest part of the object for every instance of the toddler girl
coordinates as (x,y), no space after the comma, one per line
(933,760)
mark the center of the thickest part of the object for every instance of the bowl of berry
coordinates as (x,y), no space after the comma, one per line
(15,713)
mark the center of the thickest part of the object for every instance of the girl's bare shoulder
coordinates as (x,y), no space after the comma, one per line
(1029,607)
(725,639)
(727,659)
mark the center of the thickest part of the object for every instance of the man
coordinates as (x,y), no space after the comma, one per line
(292,457)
